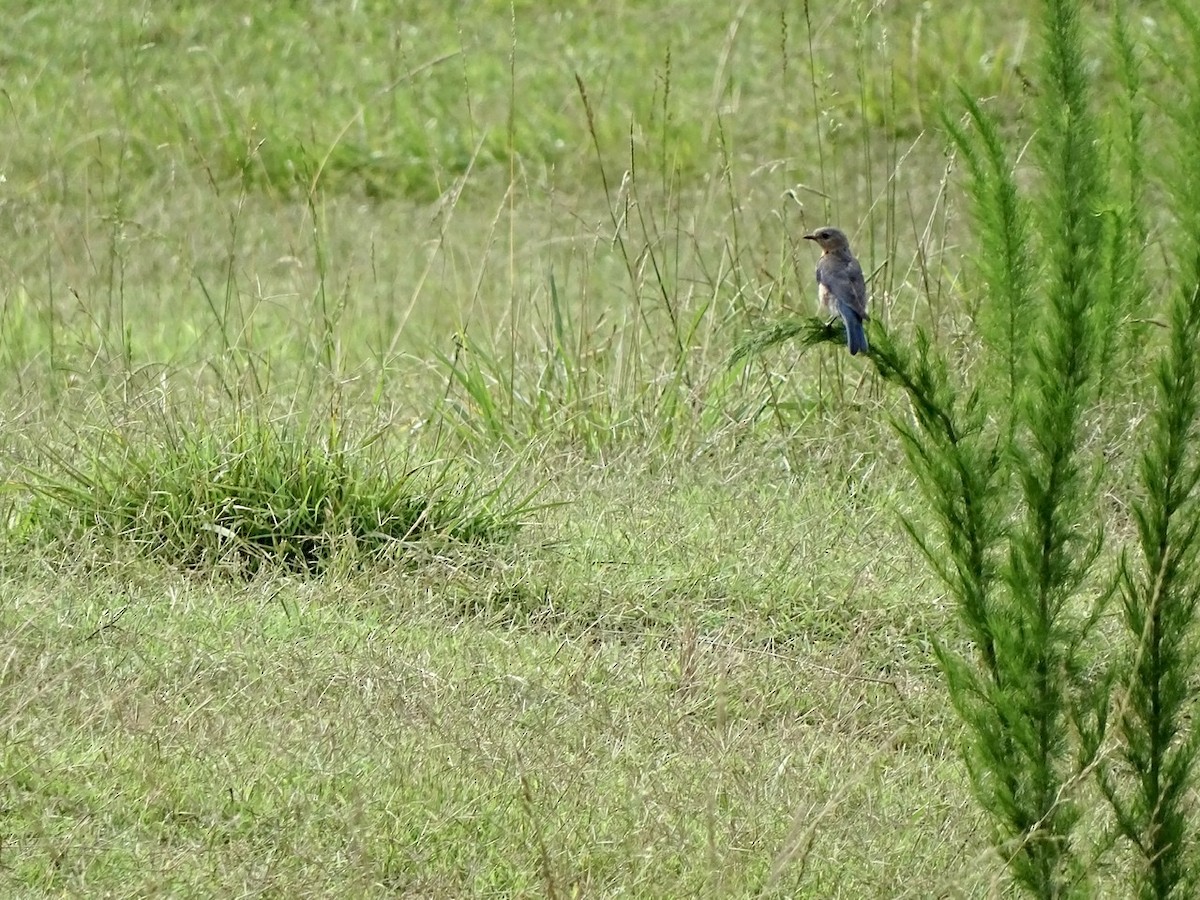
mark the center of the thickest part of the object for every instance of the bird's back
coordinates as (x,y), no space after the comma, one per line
(843,277)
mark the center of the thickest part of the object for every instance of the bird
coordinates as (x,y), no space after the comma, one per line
(841,289)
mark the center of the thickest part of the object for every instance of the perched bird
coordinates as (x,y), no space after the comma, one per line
(840,284)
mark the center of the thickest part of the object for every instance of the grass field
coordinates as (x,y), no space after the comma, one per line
(509,249)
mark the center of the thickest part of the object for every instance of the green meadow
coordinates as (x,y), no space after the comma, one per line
(403,494)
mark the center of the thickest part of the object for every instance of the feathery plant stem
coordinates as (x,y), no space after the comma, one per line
(1004,259)
(1049,559)
(1160,589)
(1018,575)
(1148,786)
(957,464)
(1119,321)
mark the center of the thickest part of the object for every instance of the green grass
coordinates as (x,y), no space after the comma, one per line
(517,251)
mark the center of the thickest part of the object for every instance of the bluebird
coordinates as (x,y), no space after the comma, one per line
(840,285)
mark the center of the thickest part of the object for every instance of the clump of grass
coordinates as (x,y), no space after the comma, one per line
(254,494)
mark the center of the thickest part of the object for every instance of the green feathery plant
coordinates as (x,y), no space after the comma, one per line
(1011,492)
(1008,476)
(1004,258)
(1160,581)
(1160,588)
(1012,468)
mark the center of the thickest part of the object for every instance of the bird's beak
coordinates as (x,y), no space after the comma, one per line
(810,237)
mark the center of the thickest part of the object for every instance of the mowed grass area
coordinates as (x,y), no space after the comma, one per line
(665,703)
(518,243)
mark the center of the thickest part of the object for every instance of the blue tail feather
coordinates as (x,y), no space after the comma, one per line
(856,337)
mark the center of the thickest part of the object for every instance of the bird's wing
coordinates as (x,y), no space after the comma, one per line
(845,281)
(858,288)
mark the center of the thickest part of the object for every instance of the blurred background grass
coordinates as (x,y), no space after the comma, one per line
(429,169)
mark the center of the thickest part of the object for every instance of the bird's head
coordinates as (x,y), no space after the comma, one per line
(829,239)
